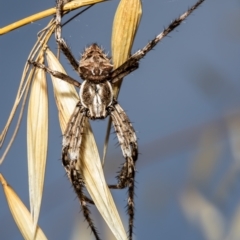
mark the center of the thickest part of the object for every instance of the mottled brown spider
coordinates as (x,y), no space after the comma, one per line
(96,101)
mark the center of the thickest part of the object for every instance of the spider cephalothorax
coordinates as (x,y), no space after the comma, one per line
(94,65)
(96,101)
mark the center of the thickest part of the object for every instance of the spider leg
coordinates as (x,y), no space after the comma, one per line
(56,74)
(137,56)
(128,141)
(70,154)
(58,35)
(120,73)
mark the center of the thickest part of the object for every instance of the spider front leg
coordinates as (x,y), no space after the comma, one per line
(123,71)
(128,66)
(56,74)
(128,142)
(58,35)
(71,144)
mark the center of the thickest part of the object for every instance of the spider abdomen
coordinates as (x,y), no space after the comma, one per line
(96,98)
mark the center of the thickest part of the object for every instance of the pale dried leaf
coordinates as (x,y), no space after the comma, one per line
(89,164)
(96,185)
(20,213)
(65,94)
(204,214)
(37,141)
(125,25)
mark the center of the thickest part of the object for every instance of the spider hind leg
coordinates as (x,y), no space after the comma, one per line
(72,139)
(128,142)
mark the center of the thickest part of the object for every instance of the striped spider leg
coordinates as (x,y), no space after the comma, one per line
(96,101)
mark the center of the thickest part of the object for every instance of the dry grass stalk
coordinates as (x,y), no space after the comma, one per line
(68,7)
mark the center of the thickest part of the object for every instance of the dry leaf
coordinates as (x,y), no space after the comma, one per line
(37,141)
(125,25)
(89,164)
(20,213)
(202,212)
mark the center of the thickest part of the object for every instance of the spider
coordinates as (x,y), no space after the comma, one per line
(96,101)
